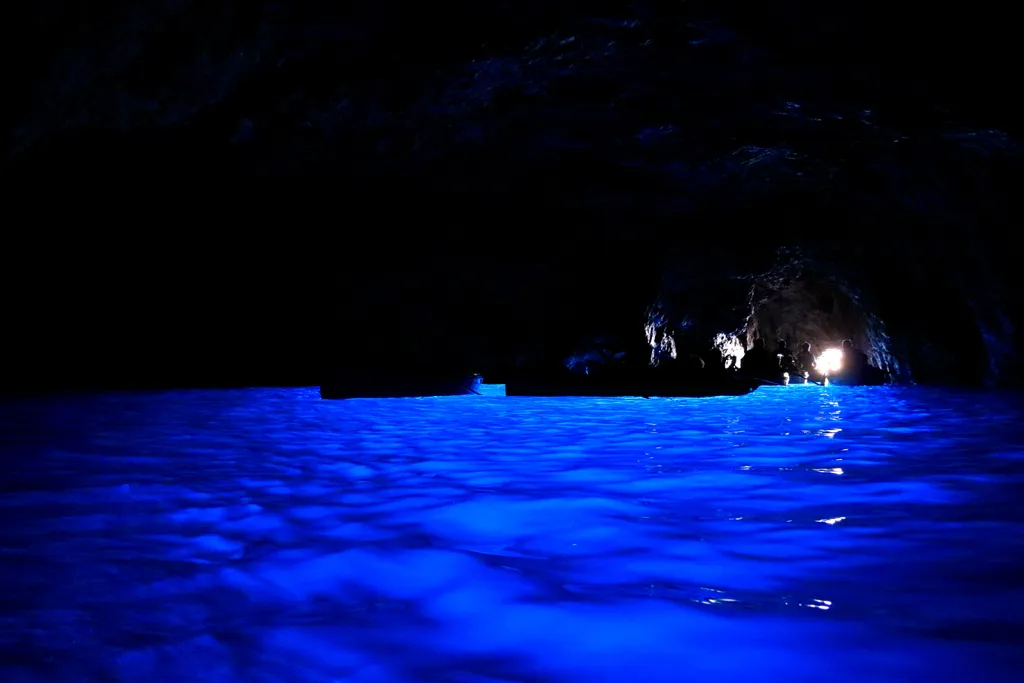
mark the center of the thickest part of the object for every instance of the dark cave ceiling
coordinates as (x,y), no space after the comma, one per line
(510,179)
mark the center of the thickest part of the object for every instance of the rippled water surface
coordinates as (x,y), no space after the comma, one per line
(251,536)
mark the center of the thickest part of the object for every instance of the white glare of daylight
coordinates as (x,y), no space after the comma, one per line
(830,360)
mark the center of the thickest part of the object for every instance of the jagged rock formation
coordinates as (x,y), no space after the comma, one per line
(552,170)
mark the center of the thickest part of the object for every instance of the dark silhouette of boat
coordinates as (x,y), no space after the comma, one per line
(868,376)
(782,379)
(649,384)
(801,379)
(344,385)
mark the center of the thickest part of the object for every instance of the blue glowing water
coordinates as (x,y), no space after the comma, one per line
(259,536)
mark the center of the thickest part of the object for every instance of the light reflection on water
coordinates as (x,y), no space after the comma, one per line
(255,536)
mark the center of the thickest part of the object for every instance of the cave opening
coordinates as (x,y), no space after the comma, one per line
(818,309)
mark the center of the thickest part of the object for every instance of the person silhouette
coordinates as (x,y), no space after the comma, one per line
(759,362)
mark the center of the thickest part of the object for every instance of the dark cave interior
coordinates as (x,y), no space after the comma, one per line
(815,309)
(499,185)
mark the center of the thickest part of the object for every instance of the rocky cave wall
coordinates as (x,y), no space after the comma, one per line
(490,300)
(935,308)
(582,161)
(819,313)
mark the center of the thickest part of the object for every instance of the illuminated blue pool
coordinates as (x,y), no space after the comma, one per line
(258,536)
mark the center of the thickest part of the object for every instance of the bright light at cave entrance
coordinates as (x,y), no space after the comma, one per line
(831,360)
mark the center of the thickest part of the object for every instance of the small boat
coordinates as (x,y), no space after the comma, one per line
(768,380)
(804,378)
(641,384)
(394,385)
(869,376)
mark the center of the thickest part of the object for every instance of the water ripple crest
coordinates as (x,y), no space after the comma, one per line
(264,535)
